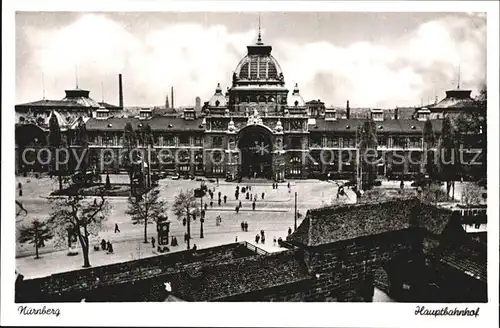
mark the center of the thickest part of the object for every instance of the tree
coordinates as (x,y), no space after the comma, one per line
(55,143)
(429,143)
(368,151)
(80,215)
(37,233)
(471,194)
(146,136)
(129,144)
(185,205)
(448,154)
(146,209)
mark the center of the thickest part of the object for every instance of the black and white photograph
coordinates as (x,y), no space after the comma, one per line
(297,154)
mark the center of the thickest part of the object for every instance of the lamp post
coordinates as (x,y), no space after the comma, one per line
(295,225)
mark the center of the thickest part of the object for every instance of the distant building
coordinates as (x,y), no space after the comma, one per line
(257,112)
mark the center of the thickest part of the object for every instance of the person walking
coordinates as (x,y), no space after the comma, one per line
(236,195)
(211,203)
(237,209)
(116,228)
(109,247)
(236,239)
(103,244)
(195,247)
(253,206)
(153,241)
(225,199)
(219,201)
(246,226)
(289,231)
(248,195)
(257,239)
(219,194)
(240,205)
(288,185)
(217,182)
(242,226)
(206,206)
(262,195)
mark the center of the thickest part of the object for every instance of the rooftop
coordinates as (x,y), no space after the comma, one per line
(336,223)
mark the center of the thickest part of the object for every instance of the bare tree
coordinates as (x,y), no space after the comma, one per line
(37,233)
(82,216)
(186,205)
(146,209)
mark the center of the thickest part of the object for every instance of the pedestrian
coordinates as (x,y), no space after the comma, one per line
(262,195)
(116,228)
(242,226)
(274,241)
(236,239)
(257,239)
(263,239)
(219,201)
(225,199)
(153,242)
(246,226)
(206,206)
(262,233)
(195,247)
(20,186)
(280,241)
(248,196)
(103,244)
(237,209)
(288,185)
(217,182)
(219,194)
(220,219)
(239,205)
(253,206)
(211,204)
(236,195)
(109,247)
(289,231)
(211,195)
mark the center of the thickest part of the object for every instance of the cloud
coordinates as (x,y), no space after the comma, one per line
(194,58)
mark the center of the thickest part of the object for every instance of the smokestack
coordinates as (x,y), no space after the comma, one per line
(396,113)
(167,105)
(347,111)
(120,91)
(172,96)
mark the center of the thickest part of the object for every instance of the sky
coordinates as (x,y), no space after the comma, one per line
(378,60)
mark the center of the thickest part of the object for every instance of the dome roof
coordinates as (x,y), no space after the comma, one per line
(296,99)
(218,99)
(259,64)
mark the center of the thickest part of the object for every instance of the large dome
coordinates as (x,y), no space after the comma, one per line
(259,65)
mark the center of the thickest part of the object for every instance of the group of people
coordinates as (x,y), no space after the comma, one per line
(244,226)
(261,237)
(107,246)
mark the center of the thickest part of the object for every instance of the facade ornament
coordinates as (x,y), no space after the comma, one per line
(279,127)
(231,126)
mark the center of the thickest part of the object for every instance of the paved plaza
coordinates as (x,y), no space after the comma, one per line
(274,214)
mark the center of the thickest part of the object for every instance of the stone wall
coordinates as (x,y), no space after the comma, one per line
(345,271)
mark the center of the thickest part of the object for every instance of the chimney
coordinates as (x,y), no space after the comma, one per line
(167,105)
(172,96)
(396,113)
(120,91)
(348,110)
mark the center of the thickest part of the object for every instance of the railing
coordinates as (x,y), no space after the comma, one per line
(254,248)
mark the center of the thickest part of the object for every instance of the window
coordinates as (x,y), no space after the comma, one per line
(316,141)
(378,116)
(399,142)
(184,168)
(198,141)
(382,141)
(296,143)
(169,141)
(333,142)
(219,169)
(349,142)
(217,141)
(415,142)
(184,140)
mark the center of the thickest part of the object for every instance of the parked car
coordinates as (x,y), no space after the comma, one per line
(176,177)
(199,179)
